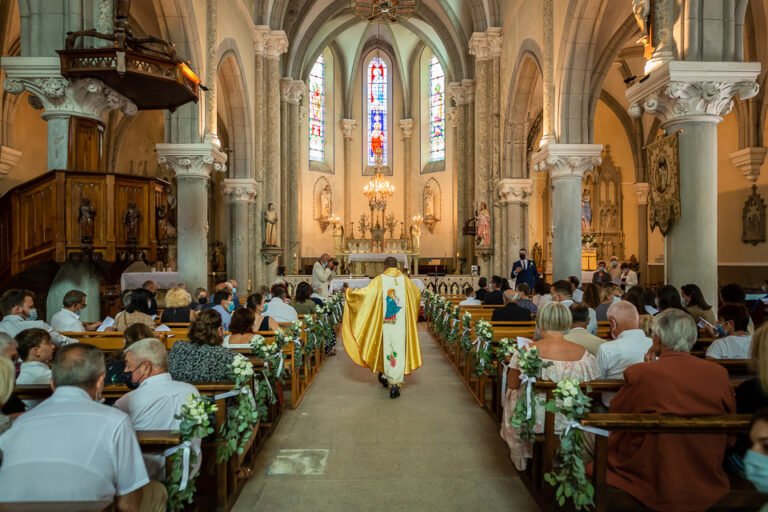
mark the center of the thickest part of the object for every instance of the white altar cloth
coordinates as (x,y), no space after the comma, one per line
(338,283)
(133,280)
(401,258)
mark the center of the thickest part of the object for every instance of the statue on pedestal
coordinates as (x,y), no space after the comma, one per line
(131,219)
(415,235)
(325,202)
(165,229)
(86,213)
(483,226)
(270,216)
(586,212)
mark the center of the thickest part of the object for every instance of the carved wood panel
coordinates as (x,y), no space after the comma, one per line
(95,192)
(85,145)
(38,214)
(127,191)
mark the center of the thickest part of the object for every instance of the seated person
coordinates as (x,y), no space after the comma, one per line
(578,333)
(202,358)
(541,293)
(178,307)
(636,297)
(255,302)
(317,294)
(277,307)
(98,460)
(671,471)
(524,300)
(19,313)
(150,287)
(629,345)
(224,305)
(568,361)
(201,299)
(302,303)
(482,289)
(737,342)
(511,312)
(35,349)
(608,295)
(471,298)
(67,319)
(733,295)
(7,375)
(116,365)
(757,456)
(693,301)
(495,297)
(9,348)
(135,310)
(240,328)
(155,399)
(576,292)
(561,292)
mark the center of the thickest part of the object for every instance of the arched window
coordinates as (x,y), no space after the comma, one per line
(317,111)
(436,111)
(377,110)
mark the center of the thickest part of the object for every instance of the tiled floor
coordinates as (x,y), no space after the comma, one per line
(431,449)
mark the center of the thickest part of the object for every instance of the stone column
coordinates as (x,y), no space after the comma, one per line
(406,125)
(292,91)
(192,164)
(347,126)
(566,164)
(462,94)
(514,194)
(641,190)
(258,206)
(548,77)
(239,193)
(691,96)
(211,70)
(61,99)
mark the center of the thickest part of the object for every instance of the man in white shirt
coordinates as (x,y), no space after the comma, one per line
(322,273)
(67,319)
(628,347)
(278,309)
(576,293)
(737,342)
(35,349)
(73,448)
(470,300)
(156,399)
(561,292)
(18,308)
(224,306)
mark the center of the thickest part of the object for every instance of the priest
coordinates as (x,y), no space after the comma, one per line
(379,326)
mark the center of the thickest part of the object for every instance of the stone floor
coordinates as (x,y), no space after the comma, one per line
(431,449)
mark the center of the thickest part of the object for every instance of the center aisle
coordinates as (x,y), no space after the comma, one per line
(431,449)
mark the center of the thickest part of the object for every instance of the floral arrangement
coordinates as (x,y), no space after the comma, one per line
(238,429)
(195,424)
(568,476)
(530,365)
(454,326)
(483,359)
(466,333)
(506,348)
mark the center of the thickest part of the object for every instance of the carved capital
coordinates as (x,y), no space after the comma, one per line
(749,160)
(275,44)
(9,157)
(407,126)
(192,160)
(567,160)
(347,125)
(641,191)
(237,189)
(260,34)
(515,190)
(485,45)
(683,90)
(291,91)
(462,92)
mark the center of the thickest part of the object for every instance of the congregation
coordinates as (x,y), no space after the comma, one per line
(33,352)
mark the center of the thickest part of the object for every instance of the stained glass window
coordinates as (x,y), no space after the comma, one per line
(436,111)
(317,111)
(377,110)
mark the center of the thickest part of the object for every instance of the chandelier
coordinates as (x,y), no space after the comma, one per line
(378,191)
(384,11)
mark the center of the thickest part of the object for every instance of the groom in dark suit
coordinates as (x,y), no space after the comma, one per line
(524,270)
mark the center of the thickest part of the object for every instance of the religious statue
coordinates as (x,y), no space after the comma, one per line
(483,226)
(86,213)
(642,11)
(326,206)
(415,235)
(586,211)
(537,254)
(429,202)
(338,235)
(218,257)
(131,219)
(270,216)
(165,229)
(753,219)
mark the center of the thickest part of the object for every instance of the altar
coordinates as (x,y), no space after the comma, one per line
(354,283)
(372,263)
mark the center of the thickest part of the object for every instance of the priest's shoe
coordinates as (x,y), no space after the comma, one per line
(383,380)
(394,392)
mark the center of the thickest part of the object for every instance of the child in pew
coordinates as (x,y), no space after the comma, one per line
(737,343)
(36,350)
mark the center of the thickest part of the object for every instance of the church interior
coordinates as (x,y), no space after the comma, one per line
(214,144)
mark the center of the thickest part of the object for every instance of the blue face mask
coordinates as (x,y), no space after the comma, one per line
(756,467)
(683,301)
(231,306)
(234,291)
(32,315)
(616,299)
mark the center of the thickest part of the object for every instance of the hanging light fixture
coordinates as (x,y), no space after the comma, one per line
(385,11)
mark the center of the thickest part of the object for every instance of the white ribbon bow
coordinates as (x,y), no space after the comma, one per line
(576,424)
(185,446)
(528,381)
(266,376)
(453,322)
(505,369)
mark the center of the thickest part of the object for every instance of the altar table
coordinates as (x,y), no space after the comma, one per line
(337,284)
(377,257)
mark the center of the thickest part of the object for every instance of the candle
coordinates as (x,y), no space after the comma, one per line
(249,284)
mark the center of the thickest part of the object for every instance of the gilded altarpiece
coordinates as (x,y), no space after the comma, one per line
(601,194)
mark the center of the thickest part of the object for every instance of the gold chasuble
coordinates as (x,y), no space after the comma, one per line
(379,325)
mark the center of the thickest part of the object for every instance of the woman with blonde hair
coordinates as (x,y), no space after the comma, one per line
(7,382)
(178,307)
(608,295)
(569,360)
